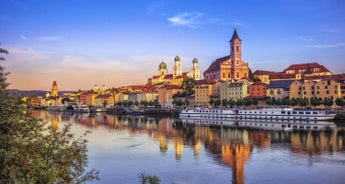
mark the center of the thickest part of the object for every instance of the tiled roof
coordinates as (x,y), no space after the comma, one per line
(280,84)
(215,66)
(264,72)
(205,81)
(236,84)
(103,96)
(308,67)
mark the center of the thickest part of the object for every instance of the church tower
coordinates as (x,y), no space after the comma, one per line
(195,71)
(177,69)
(239,69)
(162,69)
(54,89)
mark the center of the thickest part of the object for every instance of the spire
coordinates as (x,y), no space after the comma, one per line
(235,35)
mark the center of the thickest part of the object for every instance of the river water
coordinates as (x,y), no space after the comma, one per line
(121,147)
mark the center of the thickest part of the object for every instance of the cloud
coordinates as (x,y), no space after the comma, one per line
(51,38)
(23,37)
(341,44)
(305,38)
(191,19)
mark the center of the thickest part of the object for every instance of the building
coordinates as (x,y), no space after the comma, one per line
(166,92)
(257,90)
(279,89)
(322,89)
(104,100)
(308,71)
(231,66)
(203,91)
(234,90)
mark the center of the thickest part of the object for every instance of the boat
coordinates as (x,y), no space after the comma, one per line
(77,108)
(55,108)
(271,125)
(274,113)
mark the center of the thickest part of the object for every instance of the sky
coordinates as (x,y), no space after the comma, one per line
(82,43)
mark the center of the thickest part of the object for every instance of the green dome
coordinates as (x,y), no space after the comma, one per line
(177,58)
(162,65)
(195,60)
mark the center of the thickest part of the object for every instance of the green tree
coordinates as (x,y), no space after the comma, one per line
(293,102)
(225,102)
(340,102)
(188,86)
(239,102)
(328,102)
(211,102)
(314,101)
(30,152)
(247,101)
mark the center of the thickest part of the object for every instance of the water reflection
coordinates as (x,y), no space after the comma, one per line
(230,144)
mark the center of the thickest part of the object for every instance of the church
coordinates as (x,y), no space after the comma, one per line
(231,66)
(177,76)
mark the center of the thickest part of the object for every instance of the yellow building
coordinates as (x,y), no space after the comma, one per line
(234,90)
(203,91)
(321,89)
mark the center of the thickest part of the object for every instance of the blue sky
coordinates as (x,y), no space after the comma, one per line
(80,43)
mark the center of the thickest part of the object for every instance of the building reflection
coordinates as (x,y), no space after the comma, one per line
(230,146)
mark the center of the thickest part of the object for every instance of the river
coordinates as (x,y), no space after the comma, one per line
(121,147)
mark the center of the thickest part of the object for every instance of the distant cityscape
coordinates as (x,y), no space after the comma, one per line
(227,81)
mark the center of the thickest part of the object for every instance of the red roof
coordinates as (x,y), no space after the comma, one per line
(308,67)
(206,81)
(264,72)
(215,66)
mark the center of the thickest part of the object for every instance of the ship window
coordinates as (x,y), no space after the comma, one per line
(307,112)
(294,112)
(314,112)
(283,112)
(300,113)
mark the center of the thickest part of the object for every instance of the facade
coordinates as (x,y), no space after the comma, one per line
(166,92)
(322,89)
(257,90)
(231,66)
(279,89)
(234,90)
(203,91)
(104,99)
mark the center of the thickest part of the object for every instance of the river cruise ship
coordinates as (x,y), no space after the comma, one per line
(274,114)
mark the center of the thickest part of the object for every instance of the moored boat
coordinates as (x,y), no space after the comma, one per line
(275,113)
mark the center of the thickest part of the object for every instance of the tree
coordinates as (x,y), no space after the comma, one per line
(188,86)
(225,102)
(30,152)
(314,101)
(328,102)
(239,102)
(148,179)
(293,102)
(340,102)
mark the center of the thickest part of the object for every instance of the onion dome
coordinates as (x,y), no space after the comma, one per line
(195,60)
(177,58)
(162,65)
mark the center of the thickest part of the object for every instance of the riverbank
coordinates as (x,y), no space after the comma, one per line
(160,111)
